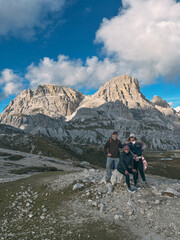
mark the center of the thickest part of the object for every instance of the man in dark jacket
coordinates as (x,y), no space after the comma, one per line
(126,167)
(111,149)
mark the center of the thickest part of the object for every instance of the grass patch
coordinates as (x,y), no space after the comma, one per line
(34,169)
(4,154)
(165,168)
(15,157)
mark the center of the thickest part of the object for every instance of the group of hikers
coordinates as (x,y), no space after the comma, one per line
(130,161)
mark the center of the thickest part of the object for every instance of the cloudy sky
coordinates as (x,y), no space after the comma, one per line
(83,44)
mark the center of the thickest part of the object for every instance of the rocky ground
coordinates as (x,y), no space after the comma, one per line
(150,213)
(79,204)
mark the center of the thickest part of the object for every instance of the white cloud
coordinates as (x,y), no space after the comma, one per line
(10,83)
(20,18)
(177,109)
(70,72)
(143,41)
(144,38)
(171,103)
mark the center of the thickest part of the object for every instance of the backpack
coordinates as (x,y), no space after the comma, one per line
(145,164)
(111,140)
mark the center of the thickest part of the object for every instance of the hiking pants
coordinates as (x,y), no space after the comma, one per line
(109,165)
(128,177)
(138,165)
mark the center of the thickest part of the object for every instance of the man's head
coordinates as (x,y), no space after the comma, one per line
(126,149)
(115,135)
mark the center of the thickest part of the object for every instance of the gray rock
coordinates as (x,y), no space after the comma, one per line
(142,211)
(117,177)
(31,215)
(77,186)
(130,202)
(102,207)
(94,204)
(116,217)
(44,210)
(171,192)
(86,180)
(130,212)
(142,201)
(103,180)
(42,217)
(84,163)
(157,201)
(110,188)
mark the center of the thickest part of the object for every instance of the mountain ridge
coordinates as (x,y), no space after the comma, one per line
(67,115)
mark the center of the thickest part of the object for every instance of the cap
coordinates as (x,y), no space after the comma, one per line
(126,147)
(132,135)
(115,133)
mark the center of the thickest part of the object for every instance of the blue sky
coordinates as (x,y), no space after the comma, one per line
(83,44)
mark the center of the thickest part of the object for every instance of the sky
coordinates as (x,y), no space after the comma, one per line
(84,43)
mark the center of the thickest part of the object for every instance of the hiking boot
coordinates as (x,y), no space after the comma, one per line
(146,185)
(108,180)
(129,189)
(137,186)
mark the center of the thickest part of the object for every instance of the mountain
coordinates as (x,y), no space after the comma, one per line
(79,121)
(123,88)
(177,109)
(162,106)
(51,100)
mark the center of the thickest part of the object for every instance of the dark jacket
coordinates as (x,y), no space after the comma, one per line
(112,146)
(136,148)
(126,161)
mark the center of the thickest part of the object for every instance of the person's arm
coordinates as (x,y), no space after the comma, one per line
(143,146)
(106,147)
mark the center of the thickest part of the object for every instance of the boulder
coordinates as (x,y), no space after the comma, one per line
(117,177)
(110,188)
(171,192)
(77,186)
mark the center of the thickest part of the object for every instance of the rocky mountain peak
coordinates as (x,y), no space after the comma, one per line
(159,102)
(162,105)
(124,88)
(49,99)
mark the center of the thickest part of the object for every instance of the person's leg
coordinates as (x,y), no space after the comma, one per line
(141,169)
(128,180)
(134,175)
(108,167)
(135,178)
(136,166)
(116,161)
(113,165)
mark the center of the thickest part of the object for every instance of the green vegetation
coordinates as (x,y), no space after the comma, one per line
(94,156)
(165,168)
(15,157)
(2,154)
(34,169)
